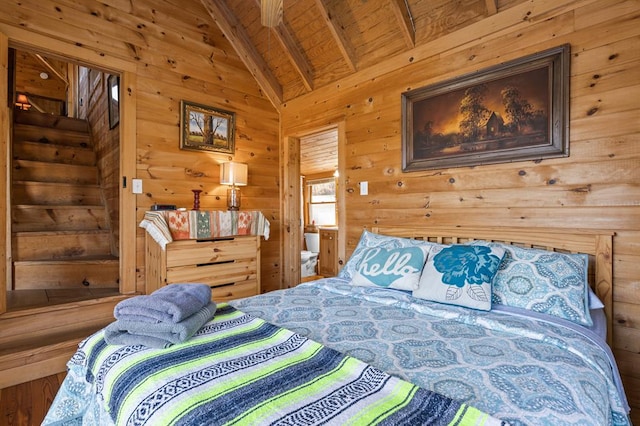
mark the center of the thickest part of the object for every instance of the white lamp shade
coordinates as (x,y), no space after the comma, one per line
(233,173)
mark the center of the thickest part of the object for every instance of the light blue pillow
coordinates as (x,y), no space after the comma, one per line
(369,240)
(397,268)
(460,275)
(543,281)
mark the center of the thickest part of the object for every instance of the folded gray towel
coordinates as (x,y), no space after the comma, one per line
(160,335)
(171,303)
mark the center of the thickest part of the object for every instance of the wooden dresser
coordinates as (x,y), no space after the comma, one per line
(229,265)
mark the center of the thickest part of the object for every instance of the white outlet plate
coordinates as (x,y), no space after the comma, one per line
(136,186)
(364,188)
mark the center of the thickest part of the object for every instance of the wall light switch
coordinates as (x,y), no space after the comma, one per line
(136,186)
(364,188)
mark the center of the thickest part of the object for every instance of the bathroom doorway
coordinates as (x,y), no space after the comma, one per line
(319,207)
(311,154)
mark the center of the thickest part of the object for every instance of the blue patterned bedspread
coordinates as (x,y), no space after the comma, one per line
(239,369)
(522,370)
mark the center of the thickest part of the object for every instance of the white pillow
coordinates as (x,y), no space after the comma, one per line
(460,275)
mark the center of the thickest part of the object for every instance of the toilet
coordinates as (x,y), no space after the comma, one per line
(312,241)
(309,257)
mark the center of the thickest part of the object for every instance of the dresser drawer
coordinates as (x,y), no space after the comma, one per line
(230,266)
(194,252)
(225,293)
(214,274)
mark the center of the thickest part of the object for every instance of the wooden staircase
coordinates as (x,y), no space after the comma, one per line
(60,227)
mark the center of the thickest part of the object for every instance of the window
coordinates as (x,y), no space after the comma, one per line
(322,202)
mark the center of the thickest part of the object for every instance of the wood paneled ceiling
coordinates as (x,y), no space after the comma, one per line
(319,153)
(322,41)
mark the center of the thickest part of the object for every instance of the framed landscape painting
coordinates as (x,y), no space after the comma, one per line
(514,111)
(204,128)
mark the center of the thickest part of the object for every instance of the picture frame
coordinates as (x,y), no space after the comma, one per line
(515,111)
(113,100)
(205,128)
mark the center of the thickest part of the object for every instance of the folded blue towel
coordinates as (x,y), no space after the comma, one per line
(171,303)
(160,335)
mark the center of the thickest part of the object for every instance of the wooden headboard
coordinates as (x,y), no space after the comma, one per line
(598,244)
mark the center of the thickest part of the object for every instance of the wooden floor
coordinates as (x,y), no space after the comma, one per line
(27,404)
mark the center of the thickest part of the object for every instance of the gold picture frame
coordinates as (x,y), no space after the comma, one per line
(205,128)
(515,111)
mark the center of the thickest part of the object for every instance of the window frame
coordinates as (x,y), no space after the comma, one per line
(308,184)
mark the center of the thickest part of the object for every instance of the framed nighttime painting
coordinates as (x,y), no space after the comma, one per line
(514,111)
(204,128)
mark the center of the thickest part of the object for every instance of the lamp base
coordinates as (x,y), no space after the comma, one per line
(233,198)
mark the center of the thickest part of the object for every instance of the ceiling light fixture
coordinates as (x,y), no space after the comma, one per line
(44,75)
(271,12)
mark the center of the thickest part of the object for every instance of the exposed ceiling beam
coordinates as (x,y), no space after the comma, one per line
(237,36)
(492,7)
(405,21)
(343,44)
(294,53)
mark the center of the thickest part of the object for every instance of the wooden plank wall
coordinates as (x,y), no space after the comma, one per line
(179,54)
(598,186)
(106,144)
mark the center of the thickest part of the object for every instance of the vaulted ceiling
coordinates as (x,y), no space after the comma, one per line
(321,41)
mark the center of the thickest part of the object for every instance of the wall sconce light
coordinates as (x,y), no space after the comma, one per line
(22,102)
(233,174)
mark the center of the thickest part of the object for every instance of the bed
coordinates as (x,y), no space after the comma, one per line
(519,361)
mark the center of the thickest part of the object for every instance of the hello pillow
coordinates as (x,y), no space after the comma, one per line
(397,268)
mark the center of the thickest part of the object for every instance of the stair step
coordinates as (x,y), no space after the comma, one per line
(61,245)
(54,172)
(58,218)
(26,132)
(52,153)
(73,274)
(36,118)
(55,194)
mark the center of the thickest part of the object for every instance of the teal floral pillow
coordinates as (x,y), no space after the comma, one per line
(397,268)
(543,281)
(460,275)
(370,240)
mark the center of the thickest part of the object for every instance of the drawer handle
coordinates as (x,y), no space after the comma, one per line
(214,263)
(221,285)
(216,239)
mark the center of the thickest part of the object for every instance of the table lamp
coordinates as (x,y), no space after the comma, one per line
(233,174)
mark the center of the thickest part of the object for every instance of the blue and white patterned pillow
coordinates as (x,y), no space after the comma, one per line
(397,268)
(460,275)
(369,240)
(543,281)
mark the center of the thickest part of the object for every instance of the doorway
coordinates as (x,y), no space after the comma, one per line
(64,182)
(122,247)
(313,154)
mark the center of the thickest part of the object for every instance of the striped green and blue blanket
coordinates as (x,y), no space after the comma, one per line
(239,369)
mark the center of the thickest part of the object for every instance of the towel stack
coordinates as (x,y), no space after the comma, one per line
(167,316)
